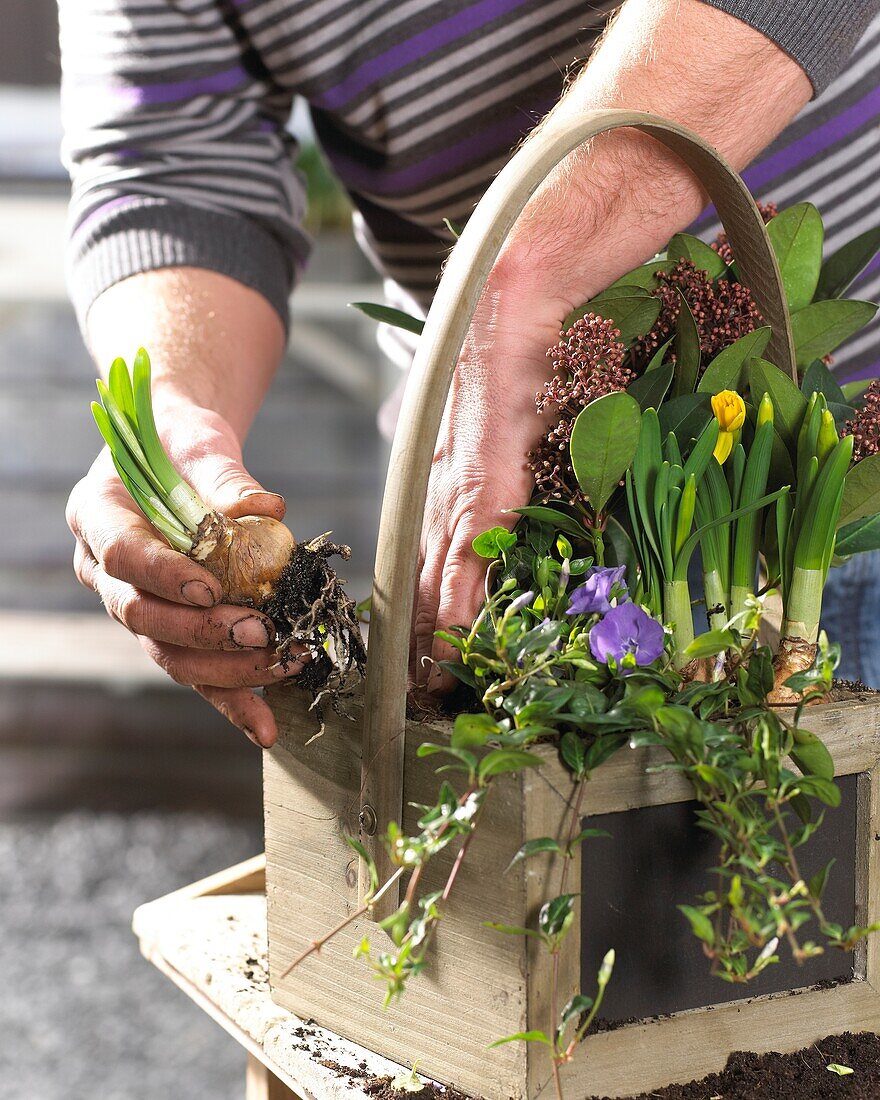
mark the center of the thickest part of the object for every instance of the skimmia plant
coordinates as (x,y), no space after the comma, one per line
(675,452)
(255,558)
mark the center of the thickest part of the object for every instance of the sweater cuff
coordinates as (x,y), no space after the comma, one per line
(818,34)
(132,235)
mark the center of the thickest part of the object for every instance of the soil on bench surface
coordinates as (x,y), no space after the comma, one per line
(803,1075)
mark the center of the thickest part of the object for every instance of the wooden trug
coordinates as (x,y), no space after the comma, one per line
(481,985)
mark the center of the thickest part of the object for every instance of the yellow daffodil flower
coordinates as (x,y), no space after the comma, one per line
(730,412)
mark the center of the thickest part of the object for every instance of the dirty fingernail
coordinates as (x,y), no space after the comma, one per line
(283,669)
(250,633)
(198,594)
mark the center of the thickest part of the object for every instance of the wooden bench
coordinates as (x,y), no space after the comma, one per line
(210,940)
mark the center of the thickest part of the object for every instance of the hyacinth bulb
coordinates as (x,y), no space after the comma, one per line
(247,555)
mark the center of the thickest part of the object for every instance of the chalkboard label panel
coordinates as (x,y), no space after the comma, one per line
(657,858)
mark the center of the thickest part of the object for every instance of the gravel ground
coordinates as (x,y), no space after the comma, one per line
(82,1015)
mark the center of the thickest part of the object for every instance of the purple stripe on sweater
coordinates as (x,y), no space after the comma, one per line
(764,173)
(130,97)
(105,208)
(414,49)
(478,148)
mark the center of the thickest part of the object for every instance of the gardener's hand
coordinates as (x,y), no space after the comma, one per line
(170,602)
(479,470)
(602,211)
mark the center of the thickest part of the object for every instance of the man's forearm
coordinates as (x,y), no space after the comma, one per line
(213,342)
(610,206)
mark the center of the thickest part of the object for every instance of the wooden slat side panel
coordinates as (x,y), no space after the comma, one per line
(472,991)
(690,1045)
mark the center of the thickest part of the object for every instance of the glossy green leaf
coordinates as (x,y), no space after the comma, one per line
(789,404)
(650,389)
(861,491)
(847,263)
(576,1007)
(522,1037)
(854,391)
(727,371)
(797,235)
(573,751)
(700,924)
(552,517)
(686,416)
(491,544)
(535,847)
(502,761)
(811,755)
(821,327)
(858,538)
(389,316)
(473,730)
(555,915)
(711,643)
(819,379)
(632,309)
(684,246)
(644,276)
(603,444)
(687,351)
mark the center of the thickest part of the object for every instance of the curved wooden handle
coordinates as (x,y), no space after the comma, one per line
(454,304)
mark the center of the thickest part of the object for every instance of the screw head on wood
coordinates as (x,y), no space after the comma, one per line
(367,820)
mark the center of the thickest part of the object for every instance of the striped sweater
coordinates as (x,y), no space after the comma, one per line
(175,117)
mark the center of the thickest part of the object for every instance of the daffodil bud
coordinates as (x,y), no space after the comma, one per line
(765,410)
(730,412)
(827,440)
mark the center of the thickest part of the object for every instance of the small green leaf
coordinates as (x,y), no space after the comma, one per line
(847,263)
(819,881)
(841,1071)
(492,543)
(711,643)
(357,847)
(811,755)
(587,834)
(556,914)
(797,235)
(822,326)
(861,492)
(533,848)
(576,1007)
(502,761)
(389,316)
(727,371)
(687,351)
(789,404)
(522,1037)
(573,751)
(559,521)
(473,730)
(632,309)
(700,923)
(603,444)
(684,246)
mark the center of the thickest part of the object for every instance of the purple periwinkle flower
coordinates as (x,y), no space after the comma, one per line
(594,595)
(627,629)
(521,601)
